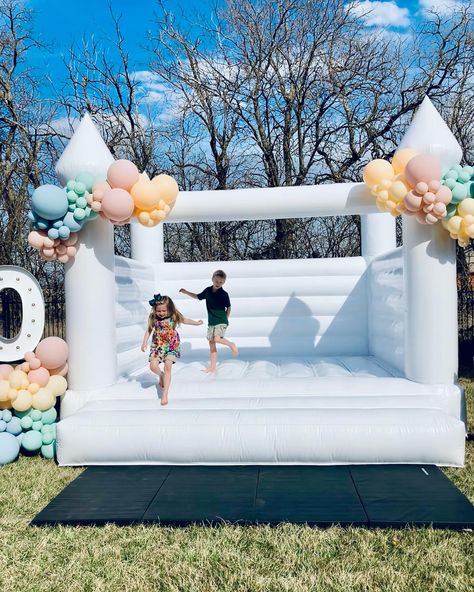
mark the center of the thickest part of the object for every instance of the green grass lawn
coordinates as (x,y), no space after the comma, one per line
(227,558)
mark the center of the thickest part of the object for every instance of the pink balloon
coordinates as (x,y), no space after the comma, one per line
(39,376)
(412,201)
(100,186)
(34,364)
(5,370)
(35,239)
(49,252)
(117,205)
(25,367)
(72,240)
(53,352)
(444,195)
(71,251)
(422,167)
(122,174)
(62,371)
(29,356)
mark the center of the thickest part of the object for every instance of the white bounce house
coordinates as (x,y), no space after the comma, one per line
(342,361)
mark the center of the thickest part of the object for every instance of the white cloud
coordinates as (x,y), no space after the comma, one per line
(441,7)
(381,14)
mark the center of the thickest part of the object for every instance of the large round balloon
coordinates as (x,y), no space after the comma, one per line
(53,352)
(122,174)
(422,168)
(49,202)
(9,448)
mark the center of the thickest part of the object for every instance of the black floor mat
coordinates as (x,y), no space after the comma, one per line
(371,496)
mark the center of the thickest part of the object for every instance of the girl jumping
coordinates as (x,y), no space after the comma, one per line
(163,321)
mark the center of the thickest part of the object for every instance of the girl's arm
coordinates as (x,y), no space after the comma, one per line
(145,340)
(192,294)
(191,322)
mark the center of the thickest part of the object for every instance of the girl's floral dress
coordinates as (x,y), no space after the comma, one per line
(165,340)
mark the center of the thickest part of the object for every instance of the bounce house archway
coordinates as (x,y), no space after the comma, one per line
(342,361)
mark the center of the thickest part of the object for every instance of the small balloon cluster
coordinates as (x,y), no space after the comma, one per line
(411,184)
(58,214)
(460,218)
(30,389)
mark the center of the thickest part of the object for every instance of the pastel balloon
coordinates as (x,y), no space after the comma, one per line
(61,371)
(35,239)
(401,158)
(4,390)
(9,448)
(117,205)
(376,171)
(53,352)
(32,441)
(5,370)
(122,174)
(39,376)
(57,385)
(145,194)
(422,167)
(466,207)
(23,401)
(17,379)
(167,186)
(49,202)
(102,186)
(43,400)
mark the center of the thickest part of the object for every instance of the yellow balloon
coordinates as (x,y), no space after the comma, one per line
(398,190)
(465,208)
(4,390)
(33,388)
(454,224)
(57,385)
(167,186)
(143,218)
(17,378)
(23,401)
(145,195)
(400,159)
(376,171)
(43,400)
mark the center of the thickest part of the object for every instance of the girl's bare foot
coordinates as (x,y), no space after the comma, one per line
(208,370)
(234,350)
(164,400)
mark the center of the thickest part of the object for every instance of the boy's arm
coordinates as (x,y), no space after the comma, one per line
(191,294)
(191,322)
(227,311)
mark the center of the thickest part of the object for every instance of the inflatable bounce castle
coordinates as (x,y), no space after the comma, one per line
(350,360)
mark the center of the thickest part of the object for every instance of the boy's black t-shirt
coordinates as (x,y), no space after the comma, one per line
(216,303)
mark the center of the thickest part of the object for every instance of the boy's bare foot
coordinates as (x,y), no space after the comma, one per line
(234,350)
(164,401)
(161,379)
(209,370)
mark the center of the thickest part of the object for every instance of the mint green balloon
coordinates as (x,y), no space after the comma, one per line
(81,202)
(459,193)
(32,441)
(451,210)
(36,415)
(48,450)
(48,438)
(49,416)
(87,179)
(26,422)
(37,425)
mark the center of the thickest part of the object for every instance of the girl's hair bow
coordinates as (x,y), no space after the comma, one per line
(156,298)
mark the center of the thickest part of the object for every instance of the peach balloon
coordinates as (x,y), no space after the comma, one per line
(122,174)
(145,194)
(17,379)
(5,370)
(117,205)
(33,388)
(377,171)
(102,186)
(466,207)
(167,186)
(52,351)
(401,158)
(40,376)
(61,371)
(35,364)
(422,167)
(35,239)
(23,401)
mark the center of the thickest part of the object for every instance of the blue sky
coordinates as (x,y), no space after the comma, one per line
(59,23)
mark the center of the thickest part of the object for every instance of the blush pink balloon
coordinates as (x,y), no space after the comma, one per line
(53,352)
(122,174)
(35,239)
(29,356)
(100,186)
(34,363)
(5,370)
(62,371)
(25,367)
(40,376)
(422,167)
(412,201)
(117,205)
